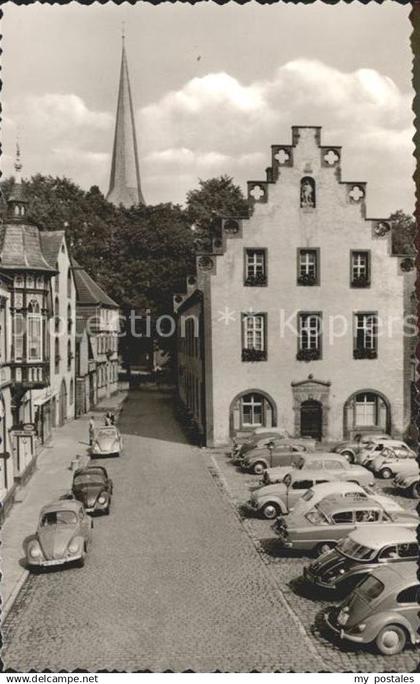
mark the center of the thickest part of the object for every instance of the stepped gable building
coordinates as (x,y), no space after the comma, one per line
(97,330)
(286,321)
(124,185)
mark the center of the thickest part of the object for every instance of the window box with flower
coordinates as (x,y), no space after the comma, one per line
(254,355)
(257,280)
(307,279)
(308,354)
(360,353)
(362,280)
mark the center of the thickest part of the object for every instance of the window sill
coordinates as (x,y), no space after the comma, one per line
(360,283)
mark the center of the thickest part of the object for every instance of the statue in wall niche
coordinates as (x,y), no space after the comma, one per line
(307,192)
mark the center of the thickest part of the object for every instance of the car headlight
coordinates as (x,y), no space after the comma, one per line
(102,499)
(35,551)
(358,629)
(74,546)
(343,616)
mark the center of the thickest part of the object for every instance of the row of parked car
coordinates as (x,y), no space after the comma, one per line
(365,543)
(64,531)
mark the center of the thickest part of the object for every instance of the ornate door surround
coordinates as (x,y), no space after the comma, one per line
(311,389)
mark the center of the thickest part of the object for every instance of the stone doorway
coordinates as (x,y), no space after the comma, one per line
(311,407)
(311,419)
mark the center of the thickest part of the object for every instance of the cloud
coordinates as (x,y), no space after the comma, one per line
(216,124)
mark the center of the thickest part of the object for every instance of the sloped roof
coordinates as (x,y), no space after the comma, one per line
(51,244)
(20,247)
(89,292)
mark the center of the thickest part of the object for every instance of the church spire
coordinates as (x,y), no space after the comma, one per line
(124,184)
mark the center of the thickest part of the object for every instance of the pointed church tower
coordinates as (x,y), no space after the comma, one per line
(124,184)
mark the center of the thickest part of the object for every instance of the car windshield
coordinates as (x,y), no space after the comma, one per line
(356,551)
(88,478)
(370,588)
(317,517)
(106,433)
(58,518)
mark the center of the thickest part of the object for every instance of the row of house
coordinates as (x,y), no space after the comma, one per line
(58,341)
(298,315)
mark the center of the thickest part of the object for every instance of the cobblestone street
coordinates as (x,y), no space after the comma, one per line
(173,579)
(286,568)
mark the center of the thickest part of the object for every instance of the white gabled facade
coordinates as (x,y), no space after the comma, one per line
(296,303)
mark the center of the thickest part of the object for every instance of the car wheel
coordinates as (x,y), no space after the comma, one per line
(258,468)
(324,547)
(391,640)
(415,490)
(386,473)
(270,510)
(348,455)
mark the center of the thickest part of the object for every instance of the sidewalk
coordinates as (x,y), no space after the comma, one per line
(51,479)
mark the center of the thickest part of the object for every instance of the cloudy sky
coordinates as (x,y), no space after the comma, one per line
(214,87)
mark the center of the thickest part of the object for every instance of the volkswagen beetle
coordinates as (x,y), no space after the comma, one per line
(93,487)
(369,452)
(107,442)
(360,554)
(382,610)
(63,535)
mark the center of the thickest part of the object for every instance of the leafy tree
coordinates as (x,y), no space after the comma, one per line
(403,233)
(213,198)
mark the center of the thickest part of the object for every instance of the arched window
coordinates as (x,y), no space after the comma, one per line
(69,283)
(69,320)
(251,409)
(69,355)
(56,315)
(56,279)
(71,391)
(307,193)
(364,411)
(34,332)
(57,355)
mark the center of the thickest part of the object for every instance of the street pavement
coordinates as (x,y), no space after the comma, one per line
(51,479)
(285,567)
(173,579)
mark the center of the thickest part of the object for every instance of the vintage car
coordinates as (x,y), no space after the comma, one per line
(282,454)
(374,449)
(275,499)
(388,462)
(351,448)
(266,440)
(409,483)
(93,487)
(325,461)
(107,441)
(345,489)
(382,610)
(334,518)
(360,554)
(63,535)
